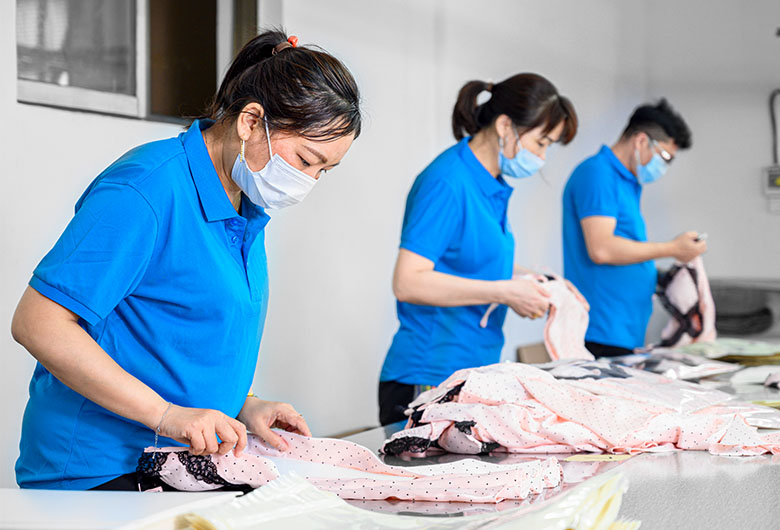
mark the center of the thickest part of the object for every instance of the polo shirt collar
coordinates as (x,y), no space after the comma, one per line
(487,183)
(213,199)
(622,170)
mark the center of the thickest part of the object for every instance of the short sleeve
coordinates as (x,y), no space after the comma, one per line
(433,215)
(594,193)
(102,255)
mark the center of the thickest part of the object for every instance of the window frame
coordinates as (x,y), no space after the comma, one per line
(137,106)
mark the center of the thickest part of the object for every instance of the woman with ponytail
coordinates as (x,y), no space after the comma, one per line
(146,316)
(457,249)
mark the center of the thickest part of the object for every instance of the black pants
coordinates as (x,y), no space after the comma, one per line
(126,482)
(393,399)
(605,350)
(129,482)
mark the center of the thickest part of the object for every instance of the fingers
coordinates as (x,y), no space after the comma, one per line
(229,432)
(542,291)
(271,438)
(241,442)
(197,442)
(298,424)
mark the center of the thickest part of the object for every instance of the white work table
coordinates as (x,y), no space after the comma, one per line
(25,509)
(687,489)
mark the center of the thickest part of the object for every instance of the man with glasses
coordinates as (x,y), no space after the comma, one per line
(606,253)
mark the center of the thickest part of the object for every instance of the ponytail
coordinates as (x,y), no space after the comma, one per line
(465,116)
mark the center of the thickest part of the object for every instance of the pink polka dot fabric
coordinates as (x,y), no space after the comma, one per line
(567,320)
(579,406)
(467,481)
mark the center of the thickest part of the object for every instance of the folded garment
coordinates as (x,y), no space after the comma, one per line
(675,364)
(738,350)
(579,406)
(567,320)
(348,470)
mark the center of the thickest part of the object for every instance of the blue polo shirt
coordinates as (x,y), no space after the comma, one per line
(172,283)
(620,296)
(456,216)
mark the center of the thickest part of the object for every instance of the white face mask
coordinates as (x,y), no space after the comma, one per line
(277,185)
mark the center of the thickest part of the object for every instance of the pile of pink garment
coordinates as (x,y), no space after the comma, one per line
(579,406)
(567,320)
(348,470)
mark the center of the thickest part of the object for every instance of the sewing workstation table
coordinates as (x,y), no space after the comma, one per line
(683,489)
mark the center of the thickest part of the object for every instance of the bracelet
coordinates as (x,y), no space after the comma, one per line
(250,394)
(157,430)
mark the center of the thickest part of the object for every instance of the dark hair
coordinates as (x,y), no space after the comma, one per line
(529,100)
(659,122)
(302,89)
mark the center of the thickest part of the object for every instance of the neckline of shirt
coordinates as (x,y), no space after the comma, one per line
(487,183)
(215,202)
(622,170)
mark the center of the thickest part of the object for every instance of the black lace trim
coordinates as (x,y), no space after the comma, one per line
(148,470)
(150,464)
(416,416)
(409,444)
(201,467)
(465,426)
(489,447)
(452,394)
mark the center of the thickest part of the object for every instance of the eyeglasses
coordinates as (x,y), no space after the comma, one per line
(666,155)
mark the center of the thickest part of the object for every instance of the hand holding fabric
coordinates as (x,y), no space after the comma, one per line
(687,246)
(200,427)
(526,297)
(262,416)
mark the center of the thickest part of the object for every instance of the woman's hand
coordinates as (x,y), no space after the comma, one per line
(200,427)
(577,294)
(525,297)
(261,416)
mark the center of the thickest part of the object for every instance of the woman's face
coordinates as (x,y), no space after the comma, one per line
(312,157)
(535,140)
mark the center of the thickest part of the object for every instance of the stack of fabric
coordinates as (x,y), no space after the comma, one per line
(579,406)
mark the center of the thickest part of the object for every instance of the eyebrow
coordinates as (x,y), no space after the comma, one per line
(319,155)
(549,139)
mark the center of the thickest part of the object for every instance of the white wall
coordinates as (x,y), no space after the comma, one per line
(332,312)
(717,62)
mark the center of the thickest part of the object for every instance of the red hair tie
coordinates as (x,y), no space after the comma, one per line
(291,42)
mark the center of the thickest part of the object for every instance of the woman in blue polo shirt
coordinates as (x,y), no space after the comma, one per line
(457,249)
(147,314)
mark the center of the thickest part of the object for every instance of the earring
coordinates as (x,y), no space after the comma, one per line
(243,146)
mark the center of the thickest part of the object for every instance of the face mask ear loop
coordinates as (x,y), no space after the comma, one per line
(268,137)
(500,151)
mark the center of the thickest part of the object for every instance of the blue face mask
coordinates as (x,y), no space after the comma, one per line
(523,165)
(651,171)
